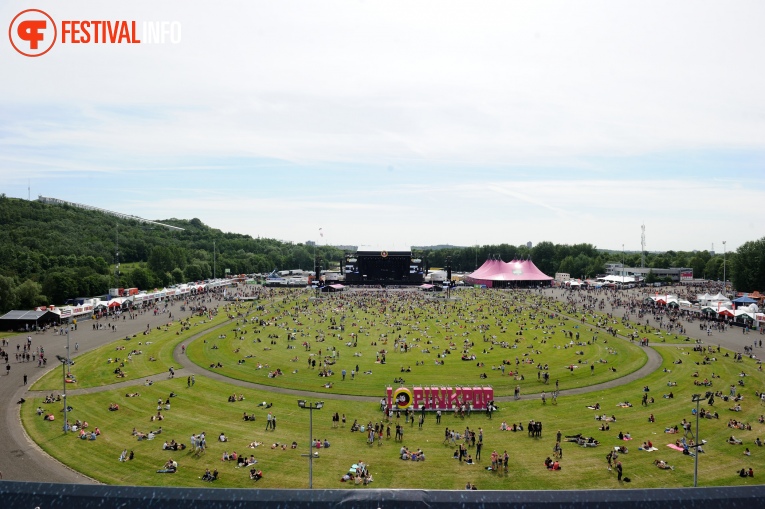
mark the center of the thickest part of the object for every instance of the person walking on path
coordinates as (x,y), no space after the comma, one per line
(25,379)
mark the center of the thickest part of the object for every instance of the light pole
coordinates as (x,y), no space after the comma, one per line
(622,265)
(310,407)
(697,398)
(68,358)
(725,286)
(64,362)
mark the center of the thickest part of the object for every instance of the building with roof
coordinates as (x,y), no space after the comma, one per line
(17,320)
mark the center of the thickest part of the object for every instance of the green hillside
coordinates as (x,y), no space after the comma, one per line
(50,253)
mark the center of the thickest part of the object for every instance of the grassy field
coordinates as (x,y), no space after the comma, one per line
(204,407)
(93,369)
(352,335)
(520,320)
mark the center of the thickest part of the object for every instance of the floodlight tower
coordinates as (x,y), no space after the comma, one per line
(642,246)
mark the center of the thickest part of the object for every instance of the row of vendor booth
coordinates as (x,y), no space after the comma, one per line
(743,310)
(88,307)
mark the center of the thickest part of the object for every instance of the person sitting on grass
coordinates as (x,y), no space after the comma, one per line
(170,467)
(734,441)
(663,465)
(256,474)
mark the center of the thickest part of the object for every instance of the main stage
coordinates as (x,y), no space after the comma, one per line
(383,268)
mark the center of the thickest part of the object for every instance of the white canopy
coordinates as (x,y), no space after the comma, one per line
(618,279)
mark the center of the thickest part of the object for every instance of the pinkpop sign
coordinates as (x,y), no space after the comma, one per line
(439,398)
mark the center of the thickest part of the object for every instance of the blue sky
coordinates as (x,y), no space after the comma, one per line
(400,123)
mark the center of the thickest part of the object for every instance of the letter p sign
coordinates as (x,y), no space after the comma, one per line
(32,33)
(29,30)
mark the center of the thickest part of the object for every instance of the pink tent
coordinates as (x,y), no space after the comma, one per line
(494,273)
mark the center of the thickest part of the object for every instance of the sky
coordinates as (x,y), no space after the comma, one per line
(399,123)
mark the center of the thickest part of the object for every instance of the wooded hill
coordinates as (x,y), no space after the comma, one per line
(50,253)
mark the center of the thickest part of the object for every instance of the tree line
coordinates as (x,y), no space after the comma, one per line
(51,253)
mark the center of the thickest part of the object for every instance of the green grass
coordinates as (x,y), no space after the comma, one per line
(205,408)
(428,325)
(92,369)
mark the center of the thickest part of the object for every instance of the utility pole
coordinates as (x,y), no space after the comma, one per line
(117,258)
(725,252)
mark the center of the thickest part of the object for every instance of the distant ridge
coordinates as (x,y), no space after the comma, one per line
(436,248)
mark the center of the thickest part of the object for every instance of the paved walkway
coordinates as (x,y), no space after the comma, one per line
(22,460)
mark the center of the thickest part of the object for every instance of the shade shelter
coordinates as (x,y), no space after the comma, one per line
(27,320)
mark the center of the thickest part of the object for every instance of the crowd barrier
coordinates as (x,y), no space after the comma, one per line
(49,496)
